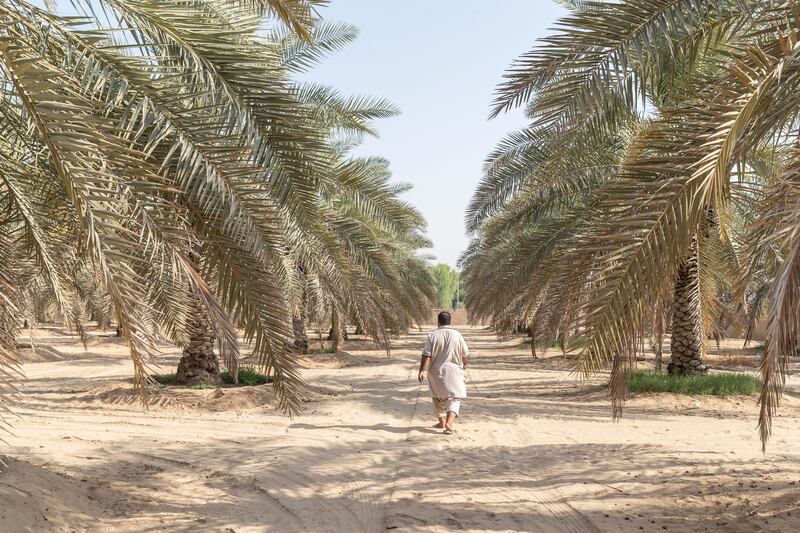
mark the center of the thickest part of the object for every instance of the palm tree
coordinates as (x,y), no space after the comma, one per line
(119,122)
(711,85)
(357,260)
(170,141)
(382,284)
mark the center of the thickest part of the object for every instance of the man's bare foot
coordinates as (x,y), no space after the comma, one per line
(440,424)
(449,426)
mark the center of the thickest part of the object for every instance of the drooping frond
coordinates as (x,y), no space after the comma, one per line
(680,109)
(602,51)
(169,141)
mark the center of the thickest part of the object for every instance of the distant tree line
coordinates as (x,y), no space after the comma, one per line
(449,287)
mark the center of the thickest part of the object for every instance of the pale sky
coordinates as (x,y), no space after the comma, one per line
(439,61)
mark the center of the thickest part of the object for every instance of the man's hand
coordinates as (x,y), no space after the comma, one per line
(423,366)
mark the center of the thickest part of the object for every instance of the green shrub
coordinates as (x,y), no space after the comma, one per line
(321,350)
(164,379)
(722,384)
(248,377)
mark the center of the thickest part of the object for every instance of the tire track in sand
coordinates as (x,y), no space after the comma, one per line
(299,494)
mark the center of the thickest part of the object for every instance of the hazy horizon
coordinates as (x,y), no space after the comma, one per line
(440,63)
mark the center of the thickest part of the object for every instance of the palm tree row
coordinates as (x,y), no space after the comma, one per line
(656,184)
(164,150)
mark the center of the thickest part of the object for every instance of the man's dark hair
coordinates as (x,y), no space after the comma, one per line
(444,318)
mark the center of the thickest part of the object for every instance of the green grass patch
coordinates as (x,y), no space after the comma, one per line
(321,350)
(164,379)
(248,377)
(202,386)
(722,384)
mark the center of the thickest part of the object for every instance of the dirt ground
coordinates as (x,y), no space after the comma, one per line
(535,451)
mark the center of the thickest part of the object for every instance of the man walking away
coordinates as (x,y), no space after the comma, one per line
(445,356)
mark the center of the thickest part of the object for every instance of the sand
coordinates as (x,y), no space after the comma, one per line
(535,451)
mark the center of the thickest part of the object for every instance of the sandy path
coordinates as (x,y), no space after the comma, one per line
(535,451)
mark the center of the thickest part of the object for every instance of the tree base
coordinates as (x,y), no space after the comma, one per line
(301,346)
(694,366)
(198,366)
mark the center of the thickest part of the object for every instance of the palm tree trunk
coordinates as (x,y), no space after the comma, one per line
(562,341)
(321,342)
(299,321)
(657,344)
(300,318)
(199,363)
(659,357)
(687,344)
(300,337)
(336,329)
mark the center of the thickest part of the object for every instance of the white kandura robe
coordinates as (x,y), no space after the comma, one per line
(447,349)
